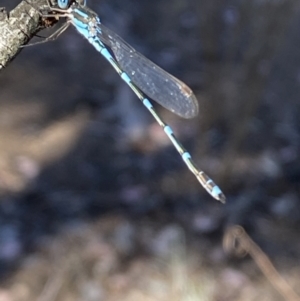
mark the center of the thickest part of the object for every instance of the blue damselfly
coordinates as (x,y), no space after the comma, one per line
(144,77)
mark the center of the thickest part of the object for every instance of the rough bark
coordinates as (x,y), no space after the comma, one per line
(18,27)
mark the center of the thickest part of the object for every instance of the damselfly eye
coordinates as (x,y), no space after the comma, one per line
(63,3)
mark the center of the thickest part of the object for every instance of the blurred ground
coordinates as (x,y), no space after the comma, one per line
(95,204)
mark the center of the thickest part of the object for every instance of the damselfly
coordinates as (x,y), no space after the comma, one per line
(144,77)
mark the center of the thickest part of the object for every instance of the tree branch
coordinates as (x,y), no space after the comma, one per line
(18,27)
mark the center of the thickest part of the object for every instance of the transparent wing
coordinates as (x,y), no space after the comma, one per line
(155,82)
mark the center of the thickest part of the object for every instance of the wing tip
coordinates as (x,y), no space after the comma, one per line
(193,108)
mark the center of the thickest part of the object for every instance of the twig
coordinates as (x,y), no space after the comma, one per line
(18,27)
(236,239)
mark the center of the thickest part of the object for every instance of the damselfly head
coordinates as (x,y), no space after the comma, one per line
(63,4)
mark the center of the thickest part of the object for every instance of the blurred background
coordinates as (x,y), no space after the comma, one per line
(95,204)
